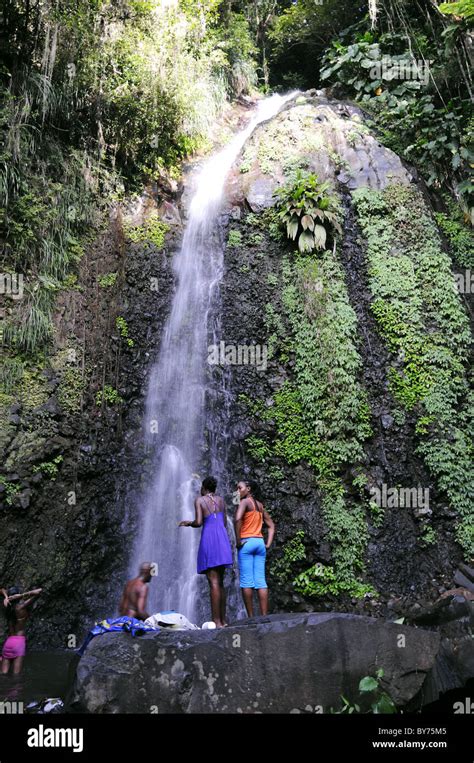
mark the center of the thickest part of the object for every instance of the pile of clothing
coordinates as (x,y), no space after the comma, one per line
(156,622)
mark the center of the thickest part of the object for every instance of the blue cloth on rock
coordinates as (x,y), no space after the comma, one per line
(116,624)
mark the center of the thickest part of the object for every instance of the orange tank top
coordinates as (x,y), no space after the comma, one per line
(252,522)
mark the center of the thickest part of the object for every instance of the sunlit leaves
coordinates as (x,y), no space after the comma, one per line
(309,211)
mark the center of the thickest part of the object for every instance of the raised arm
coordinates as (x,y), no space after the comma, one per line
(271,528)
(197,522)
(34,593)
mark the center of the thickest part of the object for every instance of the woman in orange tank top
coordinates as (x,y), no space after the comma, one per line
(251,546)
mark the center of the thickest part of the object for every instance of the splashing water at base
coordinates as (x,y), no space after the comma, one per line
(175,411)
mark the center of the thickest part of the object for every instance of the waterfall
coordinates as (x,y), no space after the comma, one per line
(175,418)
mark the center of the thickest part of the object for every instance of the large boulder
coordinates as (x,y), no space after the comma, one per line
(280,663)
(323,136)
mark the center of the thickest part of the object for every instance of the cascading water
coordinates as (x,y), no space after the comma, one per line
(175,410)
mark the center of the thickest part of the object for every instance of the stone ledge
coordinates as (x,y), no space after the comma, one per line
(276,664)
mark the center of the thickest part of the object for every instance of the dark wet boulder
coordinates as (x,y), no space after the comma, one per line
(280,663)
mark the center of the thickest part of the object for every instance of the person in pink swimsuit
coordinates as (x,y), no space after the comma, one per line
(17,613)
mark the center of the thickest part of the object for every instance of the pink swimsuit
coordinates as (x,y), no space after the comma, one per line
(14,646)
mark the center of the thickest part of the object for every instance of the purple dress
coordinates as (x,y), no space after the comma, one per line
(214,548)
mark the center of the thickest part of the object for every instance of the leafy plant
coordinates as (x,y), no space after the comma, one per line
(414,119)
(258,448)
(428,536)
(308,211)
(464,9)
(153,230)
(122,326)
(234,239)
(49,469)
(108,395)
(458,233)
(321,580)
(421,318)
(11,490)
(293,552)
(381,701)
(107,280)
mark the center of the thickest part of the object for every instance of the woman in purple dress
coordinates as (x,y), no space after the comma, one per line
(215,552)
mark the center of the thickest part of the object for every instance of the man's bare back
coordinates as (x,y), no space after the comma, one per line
(135,593)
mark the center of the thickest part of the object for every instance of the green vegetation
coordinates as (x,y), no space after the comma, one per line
(322,416)
(72,379)
(234,239)
(108,395)
(97,99)
(32,390)
(381,702)
(122,326)
(11,489)
(320,580)
(464,9)
(421,318)
(107,280)
(70,282)
(458,233)
(258,448)
(153,231)
(11,373)
(308,211)
(49,469)
(428,536)
(71,389)
(327,364)
(293,552)
(377,514)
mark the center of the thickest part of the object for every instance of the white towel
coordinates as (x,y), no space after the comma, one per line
(171,620)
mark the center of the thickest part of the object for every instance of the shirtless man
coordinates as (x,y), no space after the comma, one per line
(133,601)
(18,614)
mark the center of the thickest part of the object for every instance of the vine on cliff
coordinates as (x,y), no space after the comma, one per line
(420,316)
(322,416)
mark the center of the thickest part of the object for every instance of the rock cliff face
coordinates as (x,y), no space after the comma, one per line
(344,404)
(71,460)
(280,664)
(324,319)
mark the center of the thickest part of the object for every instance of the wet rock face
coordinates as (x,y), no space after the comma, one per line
(70,530)
(280,663)
(325,137)
(396,562)
(65,523)
(330,139)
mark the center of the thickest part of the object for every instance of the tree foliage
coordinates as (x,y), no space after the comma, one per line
(96,98)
